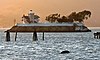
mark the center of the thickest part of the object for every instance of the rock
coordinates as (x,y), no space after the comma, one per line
(64,52)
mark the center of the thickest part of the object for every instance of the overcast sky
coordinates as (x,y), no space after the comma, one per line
(14,9)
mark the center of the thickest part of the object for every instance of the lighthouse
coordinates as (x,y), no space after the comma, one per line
(31,16)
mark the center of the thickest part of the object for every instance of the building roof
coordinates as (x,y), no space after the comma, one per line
(46,24)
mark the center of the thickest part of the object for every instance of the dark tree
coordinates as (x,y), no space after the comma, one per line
(64,19)
(52,17)
(80,17)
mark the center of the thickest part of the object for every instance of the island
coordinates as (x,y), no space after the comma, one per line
(72,23)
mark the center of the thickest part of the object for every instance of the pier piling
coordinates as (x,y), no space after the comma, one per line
(15,36)
(7,36)
(35,36)
(43,36)
(97,35)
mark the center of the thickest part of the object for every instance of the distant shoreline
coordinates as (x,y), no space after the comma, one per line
(3,29)
(94,27)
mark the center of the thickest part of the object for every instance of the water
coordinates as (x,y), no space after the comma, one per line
(82,46)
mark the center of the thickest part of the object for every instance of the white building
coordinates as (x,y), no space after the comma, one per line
(31,18)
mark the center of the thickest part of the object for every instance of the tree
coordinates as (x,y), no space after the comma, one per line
(80,16)
(52,17)
(72,16)
(64,19)
(36,17)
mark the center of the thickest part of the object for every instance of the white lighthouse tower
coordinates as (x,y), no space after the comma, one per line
(31,16)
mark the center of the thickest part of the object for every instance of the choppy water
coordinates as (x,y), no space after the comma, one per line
(82,46)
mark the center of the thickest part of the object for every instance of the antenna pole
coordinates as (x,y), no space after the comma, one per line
(14,22)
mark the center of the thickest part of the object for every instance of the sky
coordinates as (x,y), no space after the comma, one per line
(14,9)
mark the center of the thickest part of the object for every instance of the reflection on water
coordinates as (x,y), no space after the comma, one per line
(81,45)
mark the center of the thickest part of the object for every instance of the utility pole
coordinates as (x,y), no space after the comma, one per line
(14,22)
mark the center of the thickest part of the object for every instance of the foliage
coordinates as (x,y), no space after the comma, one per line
(80,17)
(53,17)
(36,17)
